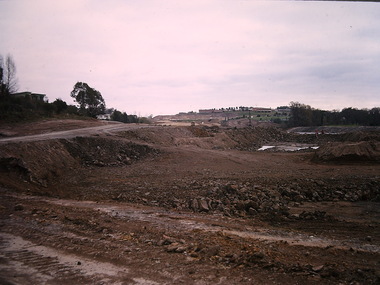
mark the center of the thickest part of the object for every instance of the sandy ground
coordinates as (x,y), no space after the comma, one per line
(172,205)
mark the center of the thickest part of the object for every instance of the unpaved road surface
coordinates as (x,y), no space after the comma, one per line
(179,205)
(106,128)
(59,241)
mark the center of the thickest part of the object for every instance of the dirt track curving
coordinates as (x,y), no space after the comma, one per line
(190,205)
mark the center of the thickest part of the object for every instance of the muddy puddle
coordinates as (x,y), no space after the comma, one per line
(288,147)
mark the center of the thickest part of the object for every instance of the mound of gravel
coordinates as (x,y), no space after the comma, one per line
(363,151)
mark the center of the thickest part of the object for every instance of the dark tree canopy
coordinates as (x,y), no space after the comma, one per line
(91,102)
(304,115)
(301,115)
(60,106)
(123,117)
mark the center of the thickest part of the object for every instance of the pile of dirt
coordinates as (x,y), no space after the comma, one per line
(37,162)
(106,152)
(361,136)
(206,137)
(200,136)
(362,151)
(16,166)
(335,129)
(43,162)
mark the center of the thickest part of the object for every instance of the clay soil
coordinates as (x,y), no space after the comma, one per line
(187,205)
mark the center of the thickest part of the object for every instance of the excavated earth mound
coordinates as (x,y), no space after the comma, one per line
(362,151)
(361,136)
(42,162)
(205,137)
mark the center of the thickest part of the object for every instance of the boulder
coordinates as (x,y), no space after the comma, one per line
(203,206)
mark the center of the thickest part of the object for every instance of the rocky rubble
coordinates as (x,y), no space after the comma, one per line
(236,253)
(255,198)
(249,199)
(107,152)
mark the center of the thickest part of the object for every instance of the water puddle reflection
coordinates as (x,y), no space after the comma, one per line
(289,147)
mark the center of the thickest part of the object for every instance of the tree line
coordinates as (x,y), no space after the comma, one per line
(304,115)
(90,102)
(14,108)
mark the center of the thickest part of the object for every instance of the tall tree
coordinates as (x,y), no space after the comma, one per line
(300,114)
(2,85)
(8,79)
(91,102)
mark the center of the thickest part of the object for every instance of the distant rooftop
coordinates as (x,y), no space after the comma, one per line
(34,96)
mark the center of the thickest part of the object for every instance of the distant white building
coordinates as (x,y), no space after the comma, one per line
(104,117)
(261,110)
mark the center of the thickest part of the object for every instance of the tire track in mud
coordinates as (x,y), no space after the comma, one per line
(188,222)
(70,253)
(24,262)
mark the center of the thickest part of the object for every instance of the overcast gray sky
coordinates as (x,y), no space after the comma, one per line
(164,57)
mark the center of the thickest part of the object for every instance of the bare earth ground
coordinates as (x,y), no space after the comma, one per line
(187,205)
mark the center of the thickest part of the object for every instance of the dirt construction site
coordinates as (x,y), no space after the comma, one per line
(90,202)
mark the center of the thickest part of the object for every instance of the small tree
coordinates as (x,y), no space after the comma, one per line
(116,116)
(91,102)
(8,79)
(59,105)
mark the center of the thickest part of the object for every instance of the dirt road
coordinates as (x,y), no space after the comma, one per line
(166,205)
(103,129)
